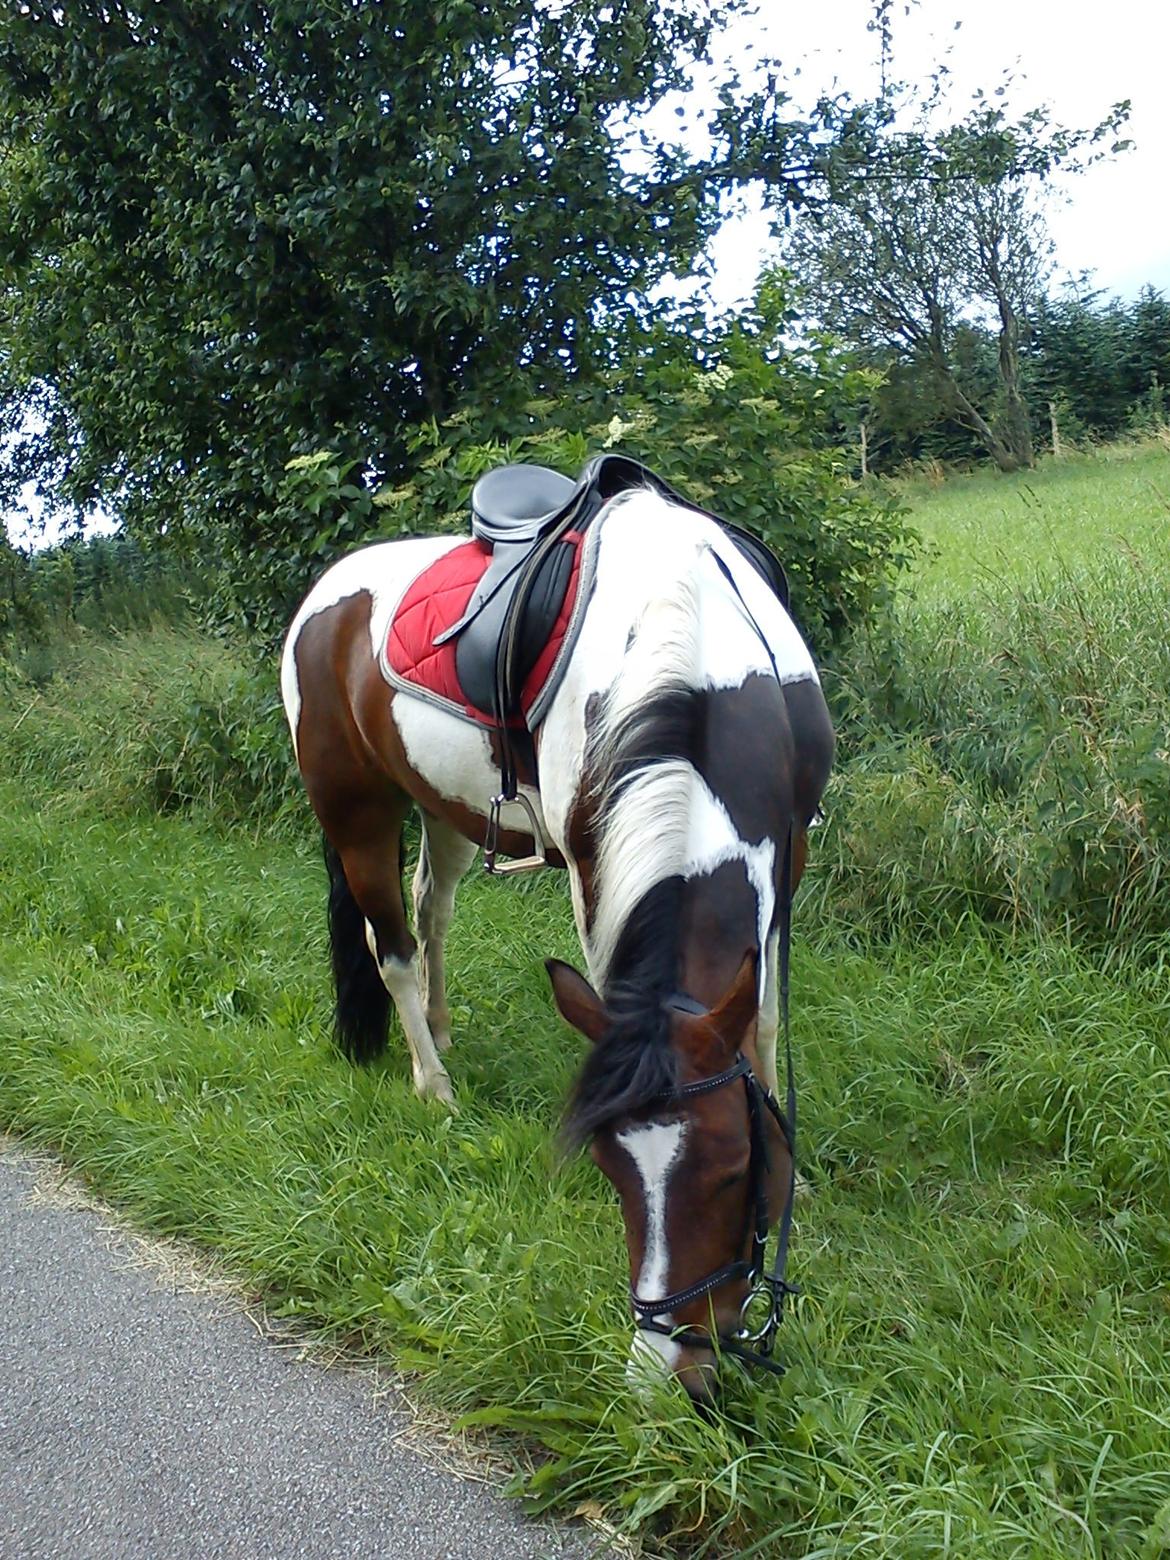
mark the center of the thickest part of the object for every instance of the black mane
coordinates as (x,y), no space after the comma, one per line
(633,1063)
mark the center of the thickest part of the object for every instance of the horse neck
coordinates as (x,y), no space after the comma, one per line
(664,911)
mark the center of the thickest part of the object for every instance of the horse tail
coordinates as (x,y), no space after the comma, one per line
(362,1010)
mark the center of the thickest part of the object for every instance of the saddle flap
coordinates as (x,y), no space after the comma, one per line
(478,646)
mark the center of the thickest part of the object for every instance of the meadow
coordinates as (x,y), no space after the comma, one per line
(977,1366)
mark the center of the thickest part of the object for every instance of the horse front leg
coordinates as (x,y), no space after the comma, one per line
(768,1024)
(444,858)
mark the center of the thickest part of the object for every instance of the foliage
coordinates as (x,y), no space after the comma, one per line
(238,232)
(946,230)
(1104,360)
(1100,364)
(100,582)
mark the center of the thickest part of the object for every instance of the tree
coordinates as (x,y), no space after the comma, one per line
(233,230)
(1104,363)
(942,231)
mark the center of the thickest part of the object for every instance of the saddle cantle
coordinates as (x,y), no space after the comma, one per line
(532,518)
(511,503)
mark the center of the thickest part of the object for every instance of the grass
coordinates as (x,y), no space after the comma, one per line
(1084,511)
(977,1368)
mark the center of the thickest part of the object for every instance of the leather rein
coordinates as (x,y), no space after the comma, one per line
(749,1342)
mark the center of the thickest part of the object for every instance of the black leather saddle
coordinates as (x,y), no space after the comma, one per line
(523,513)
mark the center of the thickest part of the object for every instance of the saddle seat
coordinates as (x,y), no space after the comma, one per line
(513,503)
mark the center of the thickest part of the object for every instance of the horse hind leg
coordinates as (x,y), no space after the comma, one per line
(444,858)
(371,871)
(362,1003)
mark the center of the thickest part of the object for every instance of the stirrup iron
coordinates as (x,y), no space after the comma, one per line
(491,840)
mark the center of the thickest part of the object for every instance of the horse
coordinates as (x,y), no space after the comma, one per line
(674,776)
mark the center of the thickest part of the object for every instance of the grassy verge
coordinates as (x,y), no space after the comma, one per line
(978,1368)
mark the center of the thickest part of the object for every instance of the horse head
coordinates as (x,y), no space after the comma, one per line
(696,1149)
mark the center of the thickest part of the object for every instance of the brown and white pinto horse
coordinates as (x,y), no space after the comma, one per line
(686,745)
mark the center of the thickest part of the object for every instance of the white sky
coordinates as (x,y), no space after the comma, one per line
(1078,56)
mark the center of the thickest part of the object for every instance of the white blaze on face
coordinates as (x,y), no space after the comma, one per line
(654,1150)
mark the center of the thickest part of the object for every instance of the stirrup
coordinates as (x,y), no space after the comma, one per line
(491,840)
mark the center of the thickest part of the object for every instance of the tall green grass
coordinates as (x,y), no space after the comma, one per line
(1008,758)
(161,718)
(1005,737)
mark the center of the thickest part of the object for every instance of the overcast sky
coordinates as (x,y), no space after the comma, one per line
(1078,56)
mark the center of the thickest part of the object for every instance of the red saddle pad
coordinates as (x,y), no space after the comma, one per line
(437,598)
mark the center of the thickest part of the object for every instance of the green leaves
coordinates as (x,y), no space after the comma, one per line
(234,235)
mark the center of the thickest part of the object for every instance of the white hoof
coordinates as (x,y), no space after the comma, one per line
(437,1086)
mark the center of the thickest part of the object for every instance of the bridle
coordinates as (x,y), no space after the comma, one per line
(749,1342)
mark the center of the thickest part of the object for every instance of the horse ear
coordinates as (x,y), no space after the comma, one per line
(579,1004)
(739,1006)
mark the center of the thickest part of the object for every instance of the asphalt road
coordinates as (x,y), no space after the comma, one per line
(141,1421)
